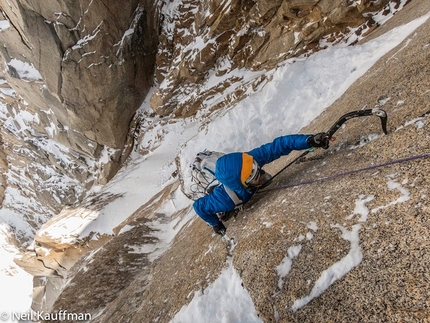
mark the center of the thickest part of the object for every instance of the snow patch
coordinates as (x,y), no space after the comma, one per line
(25,70)
(393,185)
(361,208)
(13,277)
(4,24)
(313,226)
(225,301)
(284,268)
(337,270)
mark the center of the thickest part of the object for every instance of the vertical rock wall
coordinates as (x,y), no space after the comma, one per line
(200,38)
(79,70)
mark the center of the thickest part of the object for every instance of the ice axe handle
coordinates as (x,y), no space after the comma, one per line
(360,113)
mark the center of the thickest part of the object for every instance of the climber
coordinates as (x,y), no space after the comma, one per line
(240,174)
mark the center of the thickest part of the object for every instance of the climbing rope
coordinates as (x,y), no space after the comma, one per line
(320,179)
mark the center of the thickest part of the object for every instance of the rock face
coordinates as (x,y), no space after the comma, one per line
(79,71)
(221,36)
(74,73)
(325,220)
(96,60)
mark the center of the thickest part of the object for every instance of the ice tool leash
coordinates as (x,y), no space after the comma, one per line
(353,114)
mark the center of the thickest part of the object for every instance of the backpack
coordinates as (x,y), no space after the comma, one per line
(203,176)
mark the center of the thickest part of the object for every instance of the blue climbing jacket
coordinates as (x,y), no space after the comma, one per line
(228,170)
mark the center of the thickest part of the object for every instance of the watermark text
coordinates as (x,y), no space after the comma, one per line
(44,316)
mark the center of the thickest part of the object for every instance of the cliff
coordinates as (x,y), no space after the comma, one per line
(373,222)
(74,78)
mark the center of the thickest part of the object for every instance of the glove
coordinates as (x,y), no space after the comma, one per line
(219,228)
(225,216)
(319,140)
